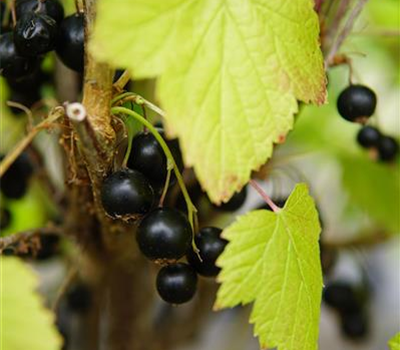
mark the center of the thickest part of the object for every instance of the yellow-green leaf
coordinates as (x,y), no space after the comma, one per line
(394,343)
(230,73)
(273,260)
(25,322)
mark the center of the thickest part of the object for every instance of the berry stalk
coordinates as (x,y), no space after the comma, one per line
(190,206)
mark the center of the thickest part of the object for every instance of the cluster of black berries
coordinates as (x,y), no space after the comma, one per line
(350,302)
(164,234)
(357,103)
(40,28)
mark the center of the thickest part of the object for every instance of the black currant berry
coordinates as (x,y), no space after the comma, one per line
(27,99)
(235,202)
(35,34)
(126,192)
(354,325)
(14,182)
(210,244)
(148,157)
(341,296)
(79,298)
(70,47)
(51,8)
(5,218)
(177,283)
(388,148)
(368,137)
(164,234)
(356,103)
(49,247)
(29,83)
(12,64)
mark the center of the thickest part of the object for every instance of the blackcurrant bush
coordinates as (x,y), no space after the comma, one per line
(341,296)
(51,8)
(164,234)
(12,64)
(356,103)
(235,202)
(5,218)
(70,47)
(368,137)
(388,148)
(177,283)
(14,182)
(35,34)
(79,298)
(354,325)
(125,193)
(210,244)
(148,157)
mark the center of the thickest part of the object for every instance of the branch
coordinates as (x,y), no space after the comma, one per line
(345,31)
(122,81)
(23,237)
(19,148)
(97,91)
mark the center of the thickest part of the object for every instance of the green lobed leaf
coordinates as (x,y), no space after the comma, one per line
(25,322)
(272,259)
(230,73)
(394,343)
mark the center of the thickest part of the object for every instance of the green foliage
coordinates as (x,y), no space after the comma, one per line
(231,71)
(26,324)
(394,343)
(273,260)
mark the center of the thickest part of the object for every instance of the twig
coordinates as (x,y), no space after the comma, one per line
(261,192)
(23,108)
(27,235)
(122,81)
(345,31)
(73,272)
(19,148)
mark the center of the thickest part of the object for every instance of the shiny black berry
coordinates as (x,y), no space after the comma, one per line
(210,244)
(388,148)
(27,99)
(35,34)
(177,283)
(148,157)
(341,296)
(368,137)
(356,103)
(51,8)
(125,193)
(79,298)
(164,234)
(14,183)
(12,64)
(354,325)
(70,42)
(29,83)
(235,202)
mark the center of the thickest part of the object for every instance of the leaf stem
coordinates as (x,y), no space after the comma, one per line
(131,96)
(190,206)
(264,196)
